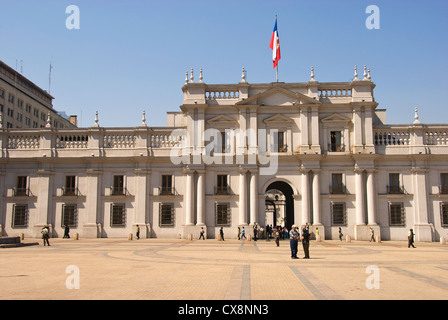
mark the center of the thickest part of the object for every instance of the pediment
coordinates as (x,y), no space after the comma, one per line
(336,117)
(278,96)
(278,119)
(222,120)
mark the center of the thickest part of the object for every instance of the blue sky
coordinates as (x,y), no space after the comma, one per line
(130,56)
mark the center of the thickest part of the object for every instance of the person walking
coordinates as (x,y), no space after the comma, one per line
(372,235)
(411,238)
(239,233)
(66,232)
(306,242)
(243,234)
(277,237)
(137,233)
(202,234)
(293,241)
(45,235)
(340,233)
(221,232)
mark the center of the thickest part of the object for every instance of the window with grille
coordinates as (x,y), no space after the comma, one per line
(444,214)
(166,215)
(117,215)
(222,214)
(396,214)
(338,214)
(20,216)
(69,215)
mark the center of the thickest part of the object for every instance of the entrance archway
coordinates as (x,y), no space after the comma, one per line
(279,200)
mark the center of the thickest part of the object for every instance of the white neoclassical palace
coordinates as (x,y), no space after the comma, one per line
(234,155)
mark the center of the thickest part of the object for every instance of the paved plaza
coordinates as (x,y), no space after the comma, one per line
(169,269)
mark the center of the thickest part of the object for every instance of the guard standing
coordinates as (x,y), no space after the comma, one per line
(306,242)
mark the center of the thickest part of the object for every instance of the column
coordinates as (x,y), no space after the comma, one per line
(142,176)
(316,198)
(201,198)
(253,196)
(371,197)
(360,214)
(305,196)
(188,201)
(243,198)
(90,226)
(43,198)
(422,228)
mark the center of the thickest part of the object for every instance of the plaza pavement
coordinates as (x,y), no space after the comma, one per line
(170,269)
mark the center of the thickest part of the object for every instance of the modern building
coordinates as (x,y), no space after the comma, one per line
(238,154)
(24,105)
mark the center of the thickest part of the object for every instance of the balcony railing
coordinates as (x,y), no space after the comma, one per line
(338,189)
(165,191)
(395,189)
(21,192)
(222,190)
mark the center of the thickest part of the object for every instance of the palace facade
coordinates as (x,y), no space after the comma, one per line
(234,155)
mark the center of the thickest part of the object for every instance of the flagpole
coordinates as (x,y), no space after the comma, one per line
(277,72)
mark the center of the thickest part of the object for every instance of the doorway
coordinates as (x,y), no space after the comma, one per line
(279,204)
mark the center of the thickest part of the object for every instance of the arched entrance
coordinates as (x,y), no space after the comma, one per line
(279,204)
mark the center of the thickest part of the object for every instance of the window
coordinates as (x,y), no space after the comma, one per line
(166,215)
(117,215)
(167,184)
(338,214)
(337,186)
(394,184)
(21,189)
(336,141)
(444,214)
(70,186)
(118,187)
(222,214)
(69,215)
(223,142)
(279,142)
(20,216)
(222,187)
(11,98)
(396,214)
(444,183)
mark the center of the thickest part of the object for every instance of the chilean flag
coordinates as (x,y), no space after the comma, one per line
(275,45)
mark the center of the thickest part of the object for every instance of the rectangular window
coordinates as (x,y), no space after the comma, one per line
(337,186)
(394,184)
(70,186)
(223,142)
(118,187)
(396,214)
(279,142)
(444,183)
(117,215)
(222,214)
(336,141)
(338,214)
(167,184)
(222,187)
(20,216)
(166,215)
(69,215)
(444,214)
(21,188)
